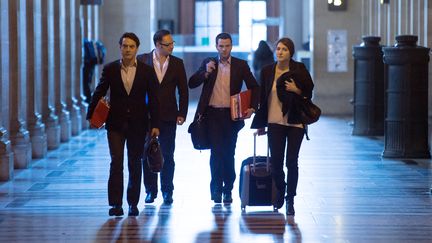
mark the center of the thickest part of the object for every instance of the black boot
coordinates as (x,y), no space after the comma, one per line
(290,206)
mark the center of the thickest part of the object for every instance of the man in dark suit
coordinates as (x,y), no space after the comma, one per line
(130,82)
(222,77)
(171,76)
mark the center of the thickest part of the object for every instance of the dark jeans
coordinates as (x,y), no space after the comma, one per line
(278,137)
(223,139)
(135,145)
(167,141)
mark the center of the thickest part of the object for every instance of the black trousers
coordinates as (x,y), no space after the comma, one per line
(167,141)
(135,145)
(223,139)
(279,137)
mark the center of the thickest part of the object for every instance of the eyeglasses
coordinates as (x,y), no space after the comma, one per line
(167,44)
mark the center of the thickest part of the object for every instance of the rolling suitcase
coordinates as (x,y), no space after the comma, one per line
(257,187)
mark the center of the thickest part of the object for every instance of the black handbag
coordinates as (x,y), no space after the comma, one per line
(199,133)
(309,112)
(153,153)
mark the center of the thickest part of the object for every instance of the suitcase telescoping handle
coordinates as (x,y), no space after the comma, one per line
(255,134)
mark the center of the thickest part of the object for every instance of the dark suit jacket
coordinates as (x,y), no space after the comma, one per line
(175,77)
(303,81)
(124,106)
(240,72)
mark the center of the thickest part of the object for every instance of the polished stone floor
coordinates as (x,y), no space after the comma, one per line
(347,193)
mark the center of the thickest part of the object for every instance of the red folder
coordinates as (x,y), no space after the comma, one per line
(100,113)
(240,103)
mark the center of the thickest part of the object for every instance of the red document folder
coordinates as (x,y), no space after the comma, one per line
(100,113)
(239,104)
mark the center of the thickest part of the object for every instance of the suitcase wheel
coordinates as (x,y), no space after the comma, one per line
(275,209)
(243,208)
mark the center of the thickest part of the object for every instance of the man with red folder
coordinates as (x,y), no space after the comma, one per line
(130,83)
(222,77)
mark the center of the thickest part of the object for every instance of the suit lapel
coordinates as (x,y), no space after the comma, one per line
(119,77)
(233,65)
(137,74)
(168,71)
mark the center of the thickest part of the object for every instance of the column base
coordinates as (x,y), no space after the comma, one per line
(76,120)
(367,132)
(84,124)
(38,140)
(39,146)
(6,167)
(6,161)
(22,149)
(53,136)
(65,125)
(406,155)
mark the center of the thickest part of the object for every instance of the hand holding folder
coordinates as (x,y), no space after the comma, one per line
(240,104)
(100,113)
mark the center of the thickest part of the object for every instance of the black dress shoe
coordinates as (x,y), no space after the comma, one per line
(227,198)
(115,211)
(280,199)
(290,207)
(133,211)
(216,197)
(150,197)
(167,197)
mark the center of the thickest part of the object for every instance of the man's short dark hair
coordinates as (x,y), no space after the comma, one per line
(157,37)
(131,36)
(224,36)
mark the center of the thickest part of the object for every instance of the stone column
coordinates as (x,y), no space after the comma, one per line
(34,79)
(78,23)
(95,35)
(59,70)
(75,114)
(428,19)
(6,155)
(48,109)
(20,137)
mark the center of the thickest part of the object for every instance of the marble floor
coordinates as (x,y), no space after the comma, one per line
(347,193)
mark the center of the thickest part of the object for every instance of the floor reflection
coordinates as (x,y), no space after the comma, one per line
(109,230)
(220,232)
(130,230)
(344,196)
(162,231)
(296,235)
(264,223)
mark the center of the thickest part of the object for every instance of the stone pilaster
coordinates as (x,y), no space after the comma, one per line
(34,75)
(71,100)
(20,137)
(6,155)
(79,21)
(48,110)
(59,70)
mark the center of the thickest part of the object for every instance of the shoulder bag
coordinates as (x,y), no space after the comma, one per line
(199,133)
